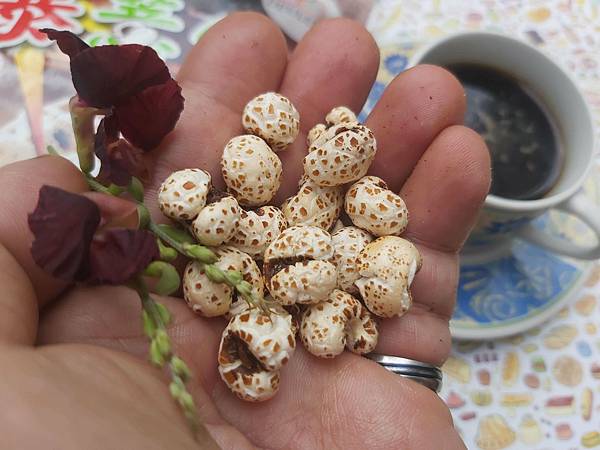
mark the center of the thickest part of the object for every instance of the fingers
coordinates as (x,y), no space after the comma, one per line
(18,303)
(413,110)
(21,183)
(447,188)
(335,64)
(443,194)
(238,58)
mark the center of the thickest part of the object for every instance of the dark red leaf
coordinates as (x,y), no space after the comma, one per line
(119,160)
(108,128)
(146,118)
(106,75)
(117,255)
(63,225)
(69,43)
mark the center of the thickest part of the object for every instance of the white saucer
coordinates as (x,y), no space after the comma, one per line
(522,285)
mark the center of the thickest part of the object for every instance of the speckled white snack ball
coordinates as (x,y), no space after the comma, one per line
(272,117)
(251,170)
(183,194)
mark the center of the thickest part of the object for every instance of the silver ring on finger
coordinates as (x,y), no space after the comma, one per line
(428,375)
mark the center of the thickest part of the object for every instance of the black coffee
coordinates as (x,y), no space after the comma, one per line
(526,154)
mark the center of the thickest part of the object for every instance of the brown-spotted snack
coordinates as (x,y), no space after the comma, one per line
(348,242)
(342,154)
(251,170)
(217,221)
(272,117)
(297,268)
(314,133)
(387,267)
(183,194)
(257,229)
(374,208)
(337,323)
(314,205)
(253,349)
(340,114)
(210,299)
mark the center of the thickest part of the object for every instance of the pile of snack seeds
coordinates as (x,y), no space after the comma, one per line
(323,277)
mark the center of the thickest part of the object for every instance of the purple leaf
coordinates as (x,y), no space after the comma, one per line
(63,225)
(117,255)
(69,43)
(106,75)
(146,118)
(120,160)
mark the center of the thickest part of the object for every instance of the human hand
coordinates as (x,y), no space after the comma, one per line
(86,383)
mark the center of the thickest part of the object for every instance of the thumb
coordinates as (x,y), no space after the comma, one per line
(18,303)
(24,286)
(21,183)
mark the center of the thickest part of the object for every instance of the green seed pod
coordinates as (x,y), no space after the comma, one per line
(214,274)
(167,253)
(168,277)
(156,356)
(186,401)
(180,368)
(164,313)
(234,277)
(163,342)
(148,324)
(244,288)
(200,253)
(175,389)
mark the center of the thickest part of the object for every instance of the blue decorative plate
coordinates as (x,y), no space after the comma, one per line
(523,285)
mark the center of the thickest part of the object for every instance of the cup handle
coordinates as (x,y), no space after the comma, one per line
(580,206)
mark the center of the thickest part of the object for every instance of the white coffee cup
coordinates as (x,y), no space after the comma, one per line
(502,219)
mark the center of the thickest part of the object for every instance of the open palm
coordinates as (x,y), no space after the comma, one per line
(77,378)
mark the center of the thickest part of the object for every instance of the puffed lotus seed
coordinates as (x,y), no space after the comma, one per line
(314,133)
(340,114)
(297,268)
(251,170)
(204,289)
(332,283)
(183,194)
(374,208)
(272,117)
(337,322)
(348,242)
(254,347)
(217,222)
(342,154)
(257,229)
(387,267)
(314,205)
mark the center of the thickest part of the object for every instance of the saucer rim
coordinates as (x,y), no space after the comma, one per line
(496,331)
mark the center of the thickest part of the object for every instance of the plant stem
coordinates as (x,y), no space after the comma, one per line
(152,226)
(82,120)
(95,185)
(178,371)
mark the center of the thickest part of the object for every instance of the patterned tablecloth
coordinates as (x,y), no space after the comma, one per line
(540,390)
